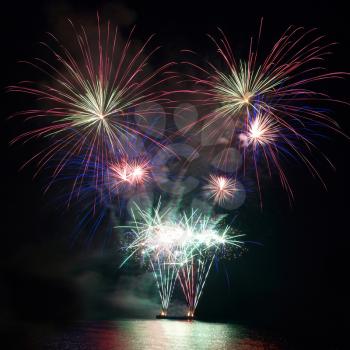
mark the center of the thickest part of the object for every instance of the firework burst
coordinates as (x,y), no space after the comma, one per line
(262,130)
(90,106)
(266,97)
(220,188)
(130,172)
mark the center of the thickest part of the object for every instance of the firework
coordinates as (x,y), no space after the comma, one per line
(179,247)
(95,95)
(207,242)
(220,188)
(263,138)
(261,101)
(158,240)
(131,172)
(262,130)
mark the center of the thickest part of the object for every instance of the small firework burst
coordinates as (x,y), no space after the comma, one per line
(131,172)
(221,188)
(262,130)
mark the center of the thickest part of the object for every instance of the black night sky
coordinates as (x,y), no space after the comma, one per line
(293,284)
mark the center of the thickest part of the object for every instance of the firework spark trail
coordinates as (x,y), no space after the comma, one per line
(192,276)
(90,105)
(159,239)
(277,88)
(165,274)
(206,241)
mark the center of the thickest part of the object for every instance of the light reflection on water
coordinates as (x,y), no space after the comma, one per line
(160,334)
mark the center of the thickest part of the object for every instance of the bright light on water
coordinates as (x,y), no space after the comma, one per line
(159,335)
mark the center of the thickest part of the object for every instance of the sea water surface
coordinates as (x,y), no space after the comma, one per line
(160,335)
